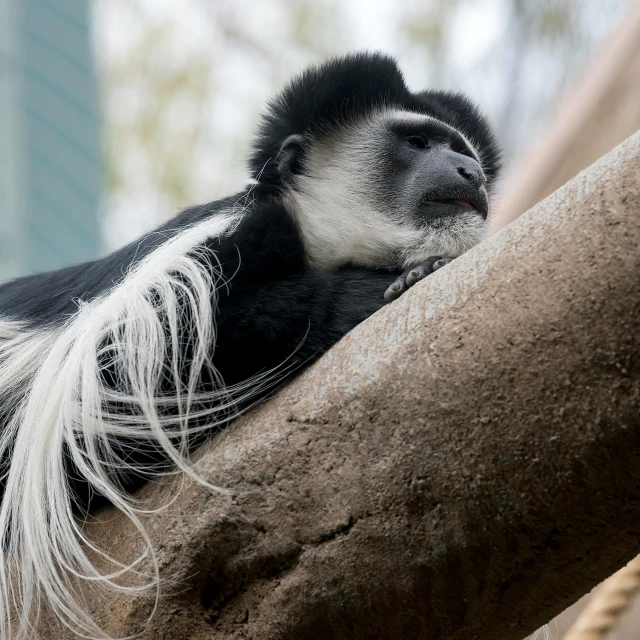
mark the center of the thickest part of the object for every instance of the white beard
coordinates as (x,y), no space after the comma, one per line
(447,237)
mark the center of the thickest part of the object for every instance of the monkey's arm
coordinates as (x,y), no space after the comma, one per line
(276,311)
(294,320)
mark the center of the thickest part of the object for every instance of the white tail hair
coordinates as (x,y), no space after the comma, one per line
(66,387)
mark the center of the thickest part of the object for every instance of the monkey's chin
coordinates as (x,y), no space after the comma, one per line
(447,236)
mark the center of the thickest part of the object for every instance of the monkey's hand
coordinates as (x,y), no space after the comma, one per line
(413,275)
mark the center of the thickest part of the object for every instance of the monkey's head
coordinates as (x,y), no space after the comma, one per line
(373,174)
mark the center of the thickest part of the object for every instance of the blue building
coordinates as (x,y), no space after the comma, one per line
(50,160)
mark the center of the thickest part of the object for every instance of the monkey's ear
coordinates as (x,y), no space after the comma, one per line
(289,158)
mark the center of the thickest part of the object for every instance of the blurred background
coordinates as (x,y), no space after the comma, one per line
(115,114)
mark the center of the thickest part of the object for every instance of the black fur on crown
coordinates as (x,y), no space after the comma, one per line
(344,89)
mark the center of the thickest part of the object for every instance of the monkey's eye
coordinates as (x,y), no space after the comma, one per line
(417,141)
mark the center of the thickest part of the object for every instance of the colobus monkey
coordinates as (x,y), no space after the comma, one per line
(112,371)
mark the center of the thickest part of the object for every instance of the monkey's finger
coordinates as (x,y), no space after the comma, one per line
(440,263)
(416,274)
(396,289)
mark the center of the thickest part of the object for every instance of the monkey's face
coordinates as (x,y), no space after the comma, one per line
(430,176)
(427,169)
(389,191)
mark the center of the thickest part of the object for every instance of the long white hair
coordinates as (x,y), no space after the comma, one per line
(88,390)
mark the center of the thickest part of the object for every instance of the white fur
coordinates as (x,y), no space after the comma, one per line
(52,378)
(337,222)
(449,237)
(339,219)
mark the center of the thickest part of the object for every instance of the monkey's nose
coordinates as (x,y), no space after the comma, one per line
(475,176)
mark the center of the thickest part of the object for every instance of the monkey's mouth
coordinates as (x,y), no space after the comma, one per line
(459,203)
(468,201)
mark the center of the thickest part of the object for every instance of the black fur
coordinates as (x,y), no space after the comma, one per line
(275,307)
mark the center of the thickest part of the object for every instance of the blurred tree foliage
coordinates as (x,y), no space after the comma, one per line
(183,83)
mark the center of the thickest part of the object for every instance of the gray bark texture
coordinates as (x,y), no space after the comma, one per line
(465,464)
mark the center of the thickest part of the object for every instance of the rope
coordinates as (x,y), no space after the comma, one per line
(606,606)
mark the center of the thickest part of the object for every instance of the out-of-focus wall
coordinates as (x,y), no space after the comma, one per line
(601,111)
(50,156)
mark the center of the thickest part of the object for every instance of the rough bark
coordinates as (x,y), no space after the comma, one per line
(465,464)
